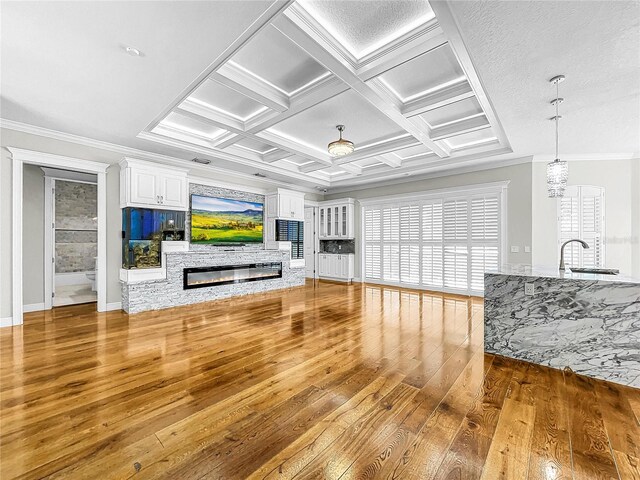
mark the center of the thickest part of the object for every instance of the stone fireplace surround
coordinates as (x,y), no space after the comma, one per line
(169,292)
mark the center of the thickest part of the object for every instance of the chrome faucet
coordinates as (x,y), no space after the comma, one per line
(582,242)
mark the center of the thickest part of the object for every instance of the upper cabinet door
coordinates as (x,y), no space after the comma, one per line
(144,187)
(143,184)
(173,191)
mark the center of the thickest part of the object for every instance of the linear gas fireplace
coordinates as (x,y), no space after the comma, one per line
(199,277)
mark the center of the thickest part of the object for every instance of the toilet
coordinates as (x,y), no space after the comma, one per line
(92,275)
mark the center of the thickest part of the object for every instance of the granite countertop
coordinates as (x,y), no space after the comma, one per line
(554,272)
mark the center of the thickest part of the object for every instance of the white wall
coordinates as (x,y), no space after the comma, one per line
(621,181)
(518,202)
(33,235)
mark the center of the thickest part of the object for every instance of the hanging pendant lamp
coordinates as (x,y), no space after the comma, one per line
(558,170)
(341,147)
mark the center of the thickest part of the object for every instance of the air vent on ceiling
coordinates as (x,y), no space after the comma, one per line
(202,161)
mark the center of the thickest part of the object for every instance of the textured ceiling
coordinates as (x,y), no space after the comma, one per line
(363,26)
(517,46)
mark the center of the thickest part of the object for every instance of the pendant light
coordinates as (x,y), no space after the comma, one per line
(558,170)
(341,147)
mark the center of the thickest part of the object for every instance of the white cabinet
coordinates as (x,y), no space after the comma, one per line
(337,219)
(285,204)
(145,184)
(336,266)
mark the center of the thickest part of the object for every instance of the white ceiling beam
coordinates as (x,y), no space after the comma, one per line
(324,90)
(439,98)
(433,39)
(201,113)
(458,128)
(275,156)
(452,31)
(351,168)
(290,28)
(229,140)
(390,160)
(294,147)
(251,87)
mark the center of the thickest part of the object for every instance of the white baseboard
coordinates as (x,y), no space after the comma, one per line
(33,307)
(114,306)
(6,322)
(72,278)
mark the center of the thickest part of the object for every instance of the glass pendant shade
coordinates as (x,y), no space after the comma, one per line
(341,147)
(557,176)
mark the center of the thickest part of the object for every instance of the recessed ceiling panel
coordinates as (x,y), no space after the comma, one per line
(471,139)
(363,27)
(316,126)
(368,162)
(423,74)
(274,58)
(191,126)
(226,100)
(452,112)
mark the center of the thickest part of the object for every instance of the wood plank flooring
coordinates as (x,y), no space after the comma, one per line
(324,381)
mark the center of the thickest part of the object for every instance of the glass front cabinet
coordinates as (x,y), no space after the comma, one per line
(337,219)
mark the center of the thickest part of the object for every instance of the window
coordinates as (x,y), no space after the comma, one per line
(581,215)
(439,242)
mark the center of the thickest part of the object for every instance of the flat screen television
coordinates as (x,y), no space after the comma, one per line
(220,221)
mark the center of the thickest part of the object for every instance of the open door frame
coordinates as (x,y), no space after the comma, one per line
(21,157)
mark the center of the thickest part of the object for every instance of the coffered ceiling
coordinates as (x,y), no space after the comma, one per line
(396,74)
(258,86)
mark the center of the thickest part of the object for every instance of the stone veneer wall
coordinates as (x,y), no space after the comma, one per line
(158,294)
(209,191)
(76,209)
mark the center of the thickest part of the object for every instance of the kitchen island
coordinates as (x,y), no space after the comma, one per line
(587,322)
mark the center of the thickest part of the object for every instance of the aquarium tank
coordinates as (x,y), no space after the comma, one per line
(143,230)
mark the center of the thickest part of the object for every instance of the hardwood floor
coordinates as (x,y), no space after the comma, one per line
(324,381)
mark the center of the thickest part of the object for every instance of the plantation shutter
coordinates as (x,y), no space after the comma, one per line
(581,215)
(410,244)
(456,226)
(432,244)
(372,233)
(444,243)
(485,236)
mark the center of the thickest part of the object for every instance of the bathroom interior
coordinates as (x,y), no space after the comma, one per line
(75,236)
(61,233)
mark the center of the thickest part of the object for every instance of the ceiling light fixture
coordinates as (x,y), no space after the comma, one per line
(341,147)
(557,171)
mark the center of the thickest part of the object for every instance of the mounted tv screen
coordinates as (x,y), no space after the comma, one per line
(225,221)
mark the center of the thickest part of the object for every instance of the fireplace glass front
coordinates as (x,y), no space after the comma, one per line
(198,277)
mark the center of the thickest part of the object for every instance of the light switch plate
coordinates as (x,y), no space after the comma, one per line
(515,249)
(527,249)
(529,289)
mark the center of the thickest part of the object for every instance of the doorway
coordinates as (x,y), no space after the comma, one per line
(20,158)
(71,246)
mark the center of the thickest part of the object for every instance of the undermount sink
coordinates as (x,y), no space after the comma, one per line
(603,271)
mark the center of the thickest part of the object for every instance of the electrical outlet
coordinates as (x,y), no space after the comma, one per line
(515,249)
(527,249)
(529,289)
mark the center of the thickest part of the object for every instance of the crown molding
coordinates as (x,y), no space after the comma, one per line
(440,172)
(204,170)
(588,157)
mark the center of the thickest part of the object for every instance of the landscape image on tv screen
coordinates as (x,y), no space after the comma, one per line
(222,220)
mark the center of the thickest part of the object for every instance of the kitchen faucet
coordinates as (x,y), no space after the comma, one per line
(582,242)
